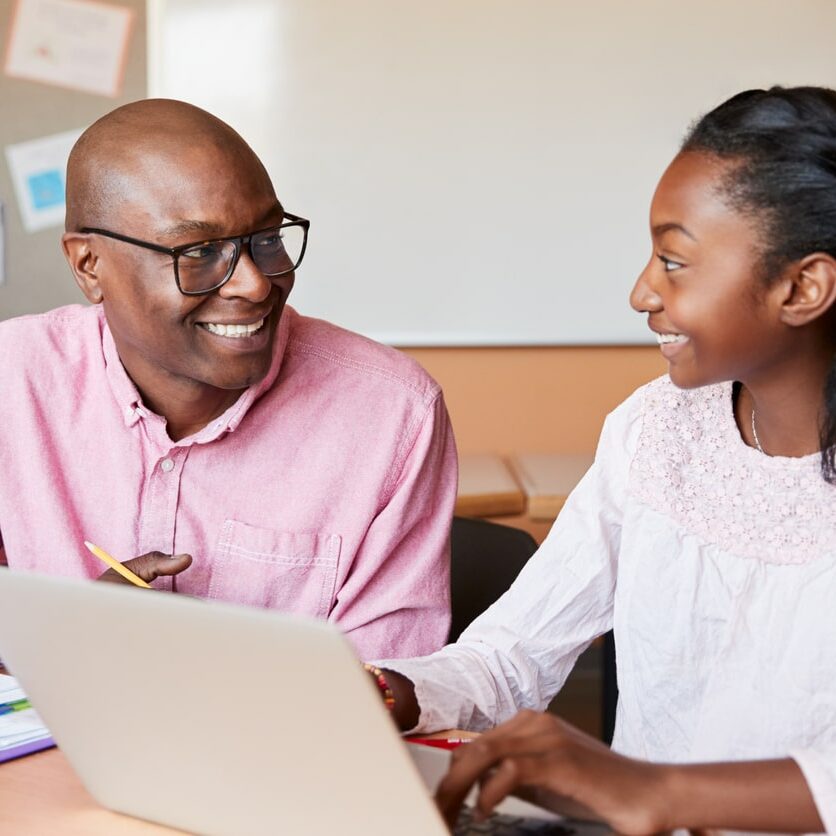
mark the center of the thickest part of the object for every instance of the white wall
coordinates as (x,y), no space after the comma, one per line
(477,171)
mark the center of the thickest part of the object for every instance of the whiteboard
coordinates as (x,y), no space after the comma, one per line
(476,172)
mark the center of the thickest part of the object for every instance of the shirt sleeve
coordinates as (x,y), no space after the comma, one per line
(396,601)
(818,764)
(520,651)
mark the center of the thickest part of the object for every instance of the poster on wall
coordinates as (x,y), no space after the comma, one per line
(39,174)
(70,43)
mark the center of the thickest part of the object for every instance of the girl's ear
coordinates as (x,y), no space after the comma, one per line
(83,262)
(810,291)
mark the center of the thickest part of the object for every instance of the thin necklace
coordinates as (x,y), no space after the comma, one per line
(755,433)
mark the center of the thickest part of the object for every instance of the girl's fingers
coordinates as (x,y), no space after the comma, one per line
(527,737)
(500,783)
(450,804)
(532,778)
(536,777)
(465,769)
(472,762)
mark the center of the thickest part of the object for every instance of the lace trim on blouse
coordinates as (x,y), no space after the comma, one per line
(692,465)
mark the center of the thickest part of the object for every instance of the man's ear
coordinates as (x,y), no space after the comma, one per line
(84,263)
(810,289)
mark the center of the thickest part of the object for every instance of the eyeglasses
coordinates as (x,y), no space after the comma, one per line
(204,266)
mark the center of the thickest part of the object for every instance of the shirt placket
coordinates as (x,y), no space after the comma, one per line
(158,509)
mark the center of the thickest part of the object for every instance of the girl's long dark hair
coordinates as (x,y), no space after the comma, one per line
(785,141)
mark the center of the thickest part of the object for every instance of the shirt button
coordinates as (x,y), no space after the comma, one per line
(166,465)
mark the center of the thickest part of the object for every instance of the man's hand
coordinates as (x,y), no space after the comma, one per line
(149,567)
(549,762)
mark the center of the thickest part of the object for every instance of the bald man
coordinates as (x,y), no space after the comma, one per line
(282,461)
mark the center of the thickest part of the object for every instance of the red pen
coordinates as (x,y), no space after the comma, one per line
(440,743)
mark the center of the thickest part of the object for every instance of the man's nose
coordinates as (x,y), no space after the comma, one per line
(247,281)
(644,297)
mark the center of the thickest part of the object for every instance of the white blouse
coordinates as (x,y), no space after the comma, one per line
(716,566)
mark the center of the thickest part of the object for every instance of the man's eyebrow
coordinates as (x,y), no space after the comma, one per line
(661,229)
(197,228)
(208,229)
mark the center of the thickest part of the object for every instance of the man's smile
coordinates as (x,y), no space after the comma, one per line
(231,329)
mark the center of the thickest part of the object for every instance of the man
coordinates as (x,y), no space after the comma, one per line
(244,452)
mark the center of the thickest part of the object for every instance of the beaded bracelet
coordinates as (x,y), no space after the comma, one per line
(377,673)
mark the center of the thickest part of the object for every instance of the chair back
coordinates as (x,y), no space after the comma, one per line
(485,558)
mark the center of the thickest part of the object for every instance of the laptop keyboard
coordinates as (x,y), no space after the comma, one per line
(502,824)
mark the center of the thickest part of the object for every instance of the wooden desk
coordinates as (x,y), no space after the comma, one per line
(529,487)
(40,795)
(548,478)
(487,488)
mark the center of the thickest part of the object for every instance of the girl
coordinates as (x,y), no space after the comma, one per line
(705,532)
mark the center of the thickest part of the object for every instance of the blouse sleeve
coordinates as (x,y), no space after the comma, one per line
(519,652)
(818,763)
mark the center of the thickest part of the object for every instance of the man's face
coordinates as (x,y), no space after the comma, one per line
(178,197)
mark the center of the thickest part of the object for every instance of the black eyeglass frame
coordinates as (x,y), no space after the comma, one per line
(238,240)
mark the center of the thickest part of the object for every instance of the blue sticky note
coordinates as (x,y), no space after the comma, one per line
(46,189)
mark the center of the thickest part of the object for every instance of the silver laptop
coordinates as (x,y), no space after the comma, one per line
(213,718)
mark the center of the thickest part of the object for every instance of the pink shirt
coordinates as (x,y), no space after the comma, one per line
(327,489)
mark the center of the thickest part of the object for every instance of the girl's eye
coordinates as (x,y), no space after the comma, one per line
(669,263)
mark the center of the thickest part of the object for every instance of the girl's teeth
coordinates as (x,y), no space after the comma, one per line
(233,330)
(670,338)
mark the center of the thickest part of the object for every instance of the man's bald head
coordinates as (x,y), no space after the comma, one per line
(156,176)
(145,139)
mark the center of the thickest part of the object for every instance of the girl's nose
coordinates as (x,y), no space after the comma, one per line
(644,298)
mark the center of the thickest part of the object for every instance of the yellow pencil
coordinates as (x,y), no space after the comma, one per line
(117,566)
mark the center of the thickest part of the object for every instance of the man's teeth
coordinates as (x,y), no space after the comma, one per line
(670,338)
(233,330)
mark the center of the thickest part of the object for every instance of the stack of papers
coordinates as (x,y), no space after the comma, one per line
(21,730)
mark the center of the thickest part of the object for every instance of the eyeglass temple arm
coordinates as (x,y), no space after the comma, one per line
(127,239)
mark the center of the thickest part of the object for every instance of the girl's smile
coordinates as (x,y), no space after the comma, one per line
(671,344)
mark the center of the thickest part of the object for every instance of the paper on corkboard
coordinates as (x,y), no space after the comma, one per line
(70,43)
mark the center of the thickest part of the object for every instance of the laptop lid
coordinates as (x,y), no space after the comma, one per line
(210,717)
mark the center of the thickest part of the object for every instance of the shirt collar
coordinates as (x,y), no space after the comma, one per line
(129,400)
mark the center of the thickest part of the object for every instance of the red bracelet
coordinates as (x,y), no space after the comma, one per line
(377,673)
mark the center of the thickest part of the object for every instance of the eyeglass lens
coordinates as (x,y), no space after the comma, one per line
(274,252)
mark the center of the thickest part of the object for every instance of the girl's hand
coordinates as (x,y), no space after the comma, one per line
(545,760)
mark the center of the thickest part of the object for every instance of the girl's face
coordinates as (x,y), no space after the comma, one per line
(701,287)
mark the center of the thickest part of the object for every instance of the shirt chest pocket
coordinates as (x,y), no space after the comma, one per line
(283,570)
